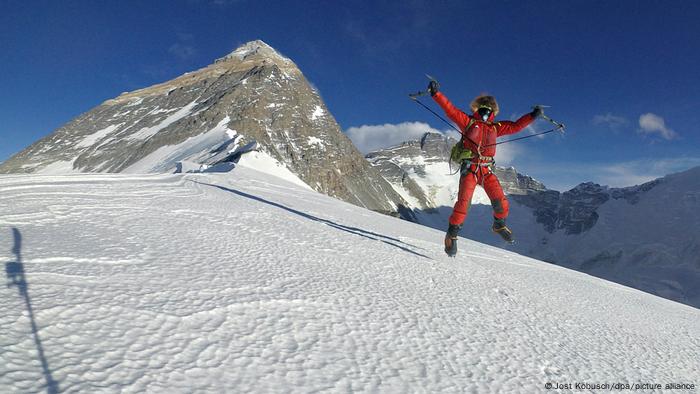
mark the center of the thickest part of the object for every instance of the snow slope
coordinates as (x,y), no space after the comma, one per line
(645,236)
(244,282)
(652,244)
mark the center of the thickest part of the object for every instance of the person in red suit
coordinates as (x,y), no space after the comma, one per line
(479,132)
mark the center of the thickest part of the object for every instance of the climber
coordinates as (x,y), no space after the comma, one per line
(479,132)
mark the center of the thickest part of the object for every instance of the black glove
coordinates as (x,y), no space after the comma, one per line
(433,87)
(537,112)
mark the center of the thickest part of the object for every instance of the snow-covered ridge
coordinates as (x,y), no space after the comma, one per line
(194,283)
(240,60)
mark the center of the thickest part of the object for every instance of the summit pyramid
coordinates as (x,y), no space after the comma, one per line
(253,99)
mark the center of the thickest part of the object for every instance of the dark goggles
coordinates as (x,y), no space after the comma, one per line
(484,112)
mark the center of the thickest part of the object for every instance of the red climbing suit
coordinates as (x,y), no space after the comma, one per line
(480,138)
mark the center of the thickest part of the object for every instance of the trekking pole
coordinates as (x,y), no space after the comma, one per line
(420,93)
(560,126)
(414,97)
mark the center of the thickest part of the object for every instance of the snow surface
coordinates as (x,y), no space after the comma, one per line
(165,158)
(318,112)
(262,162)
(658,254)
(134,101)
(245,282)
(93,138)
(439,181)
(315,141)
(58,167)
(148,132)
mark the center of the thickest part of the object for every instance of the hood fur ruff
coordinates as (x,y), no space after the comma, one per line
(485,100)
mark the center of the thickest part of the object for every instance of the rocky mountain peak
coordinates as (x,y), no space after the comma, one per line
(576,211)
(253,97)
(252,49)
(253,56)
(588,188)
(431,138)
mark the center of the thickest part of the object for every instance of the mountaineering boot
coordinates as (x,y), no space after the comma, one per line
(451,239)
(500,228)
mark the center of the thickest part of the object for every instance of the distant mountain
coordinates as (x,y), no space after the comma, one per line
(253,99)
(419,170)
(645,236)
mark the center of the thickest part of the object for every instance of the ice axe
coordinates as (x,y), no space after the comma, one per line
(415,96)
(420,93)
(560,126)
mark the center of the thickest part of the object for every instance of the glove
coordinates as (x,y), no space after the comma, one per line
(537,112)
(433,87)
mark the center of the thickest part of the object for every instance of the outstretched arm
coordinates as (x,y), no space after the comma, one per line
(451,111)
(507,127)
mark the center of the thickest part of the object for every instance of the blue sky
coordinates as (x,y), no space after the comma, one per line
(624,76)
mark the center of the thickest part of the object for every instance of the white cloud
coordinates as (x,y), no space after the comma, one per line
(614,122)
(368,138)
(654,124)
(507,153)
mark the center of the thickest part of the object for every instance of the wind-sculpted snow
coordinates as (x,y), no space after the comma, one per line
(243,282)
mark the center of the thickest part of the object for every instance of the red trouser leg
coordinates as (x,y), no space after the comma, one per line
(498,198)
(467,183)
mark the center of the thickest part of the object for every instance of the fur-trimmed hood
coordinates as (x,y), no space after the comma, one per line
(487,101)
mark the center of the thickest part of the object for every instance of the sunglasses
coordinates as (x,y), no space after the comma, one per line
(484,111)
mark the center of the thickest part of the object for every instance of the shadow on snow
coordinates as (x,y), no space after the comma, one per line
(15,274)
(397,243)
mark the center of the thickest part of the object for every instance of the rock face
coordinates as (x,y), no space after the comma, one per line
(202,118)
(517,184)
(405,165)
(575,211)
